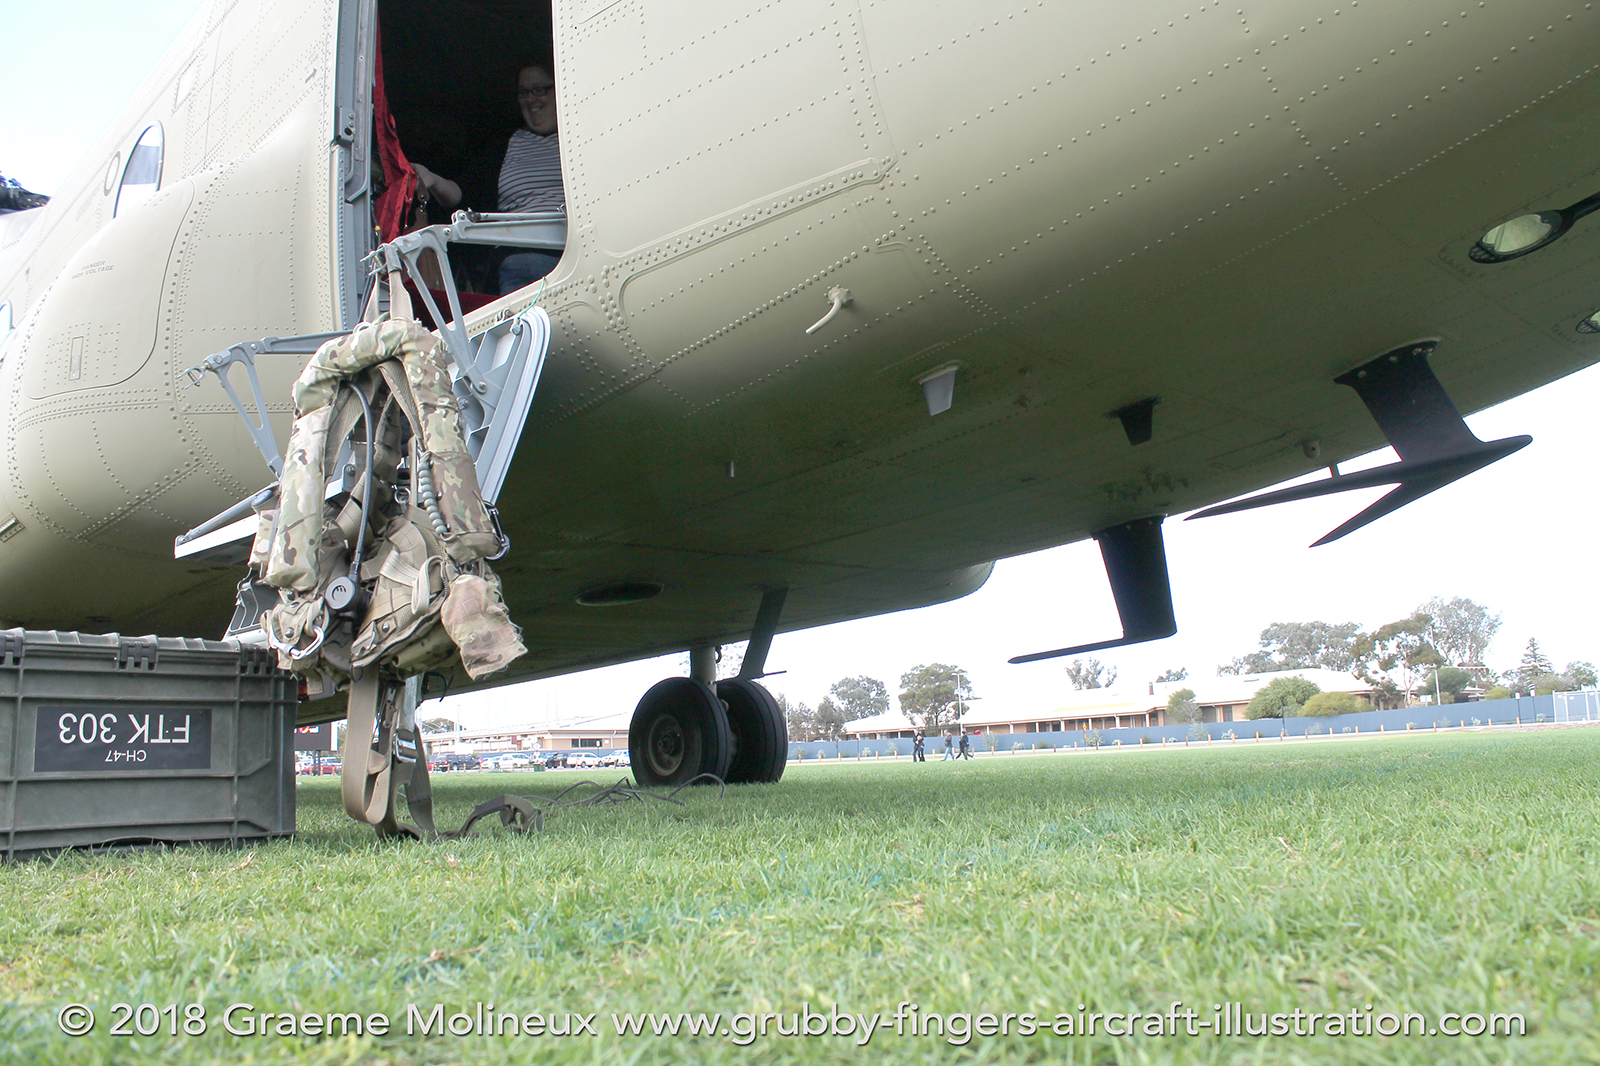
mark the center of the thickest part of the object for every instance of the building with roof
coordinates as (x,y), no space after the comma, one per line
(1221,699)
(601,733)
(880,726)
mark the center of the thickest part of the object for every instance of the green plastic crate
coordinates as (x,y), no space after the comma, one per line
(111,741)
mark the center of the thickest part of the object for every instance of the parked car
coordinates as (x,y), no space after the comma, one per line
(555,761)
(582,760)
(512,760)
(331,766)
(618,757)
(454,760)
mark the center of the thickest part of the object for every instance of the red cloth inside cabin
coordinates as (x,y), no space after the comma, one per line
(400,181)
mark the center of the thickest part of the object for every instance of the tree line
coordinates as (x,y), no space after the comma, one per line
(932,695)
(1438,648)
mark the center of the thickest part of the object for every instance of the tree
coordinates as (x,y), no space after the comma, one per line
(798,716)
(1179,674)
(1459,628)
(437,725)
(1577,675)
(1091,673)
(1280,697)
(1447,682)
(1298,646)
(730,657)
(1327,704)
(932,694)
(1181,707)
(1399,647)
(1544,684)
(860,697)
(828,720)
(1534,664)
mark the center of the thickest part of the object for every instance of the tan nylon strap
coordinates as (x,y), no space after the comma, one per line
(400,392)
(364,779)
(368,783)
(419,795)
(399,570)
(370,313)
(418,579)
(399,299)
(349,520)
(346,413)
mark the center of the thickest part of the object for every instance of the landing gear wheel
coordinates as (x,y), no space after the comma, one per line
(760,733)
(679,731)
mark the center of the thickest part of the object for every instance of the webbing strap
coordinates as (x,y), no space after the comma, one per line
(364,779)
(400,392)
(368,781)
(419,795)
(371,312)
(397,569)
(399,298)
(346,413)
(371,794)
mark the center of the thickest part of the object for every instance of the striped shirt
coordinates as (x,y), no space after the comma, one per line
(530,177)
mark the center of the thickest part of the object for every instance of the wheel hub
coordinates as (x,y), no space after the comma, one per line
(665,745)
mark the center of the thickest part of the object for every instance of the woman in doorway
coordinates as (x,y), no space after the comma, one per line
(530,176)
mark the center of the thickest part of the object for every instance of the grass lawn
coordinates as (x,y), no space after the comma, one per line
(1426,875)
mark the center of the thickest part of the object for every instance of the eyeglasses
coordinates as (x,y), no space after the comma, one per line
(532,91)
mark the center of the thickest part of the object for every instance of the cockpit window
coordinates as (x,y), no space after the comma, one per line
(142,176)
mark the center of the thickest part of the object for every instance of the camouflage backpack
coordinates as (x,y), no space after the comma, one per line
(390,571)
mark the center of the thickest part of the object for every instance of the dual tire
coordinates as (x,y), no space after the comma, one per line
(683,728)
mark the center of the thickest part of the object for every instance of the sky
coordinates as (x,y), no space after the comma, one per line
(1517,537)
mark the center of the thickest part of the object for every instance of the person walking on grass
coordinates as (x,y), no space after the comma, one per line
(949,752)
(966,745)
(916,748)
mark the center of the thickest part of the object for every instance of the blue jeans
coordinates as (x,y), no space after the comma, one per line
(525,268)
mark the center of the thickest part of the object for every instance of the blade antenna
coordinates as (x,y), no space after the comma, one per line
(1421,423)
(1136,564)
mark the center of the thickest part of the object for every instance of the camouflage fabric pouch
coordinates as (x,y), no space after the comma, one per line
(261,547)
(445,469)
(475,617)
(369,344)
(293,562)
(452,479)
(297,629)
(430,648)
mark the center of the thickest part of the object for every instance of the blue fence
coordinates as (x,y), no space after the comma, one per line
(1528,710)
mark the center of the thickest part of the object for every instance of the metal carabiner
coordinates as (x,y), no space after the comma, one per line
(505,541)
(315,644)
(287,647)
